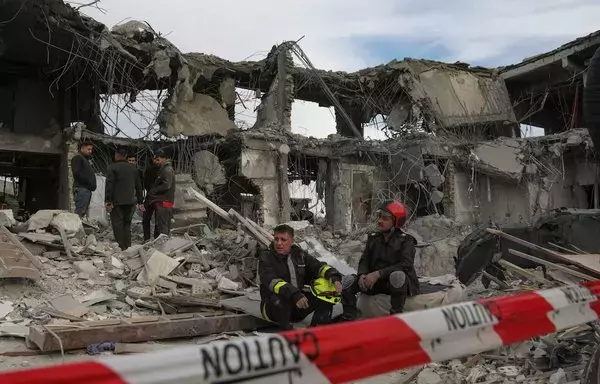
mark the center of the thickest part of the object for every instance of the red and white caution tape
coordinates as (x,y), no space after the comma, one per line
(344,352)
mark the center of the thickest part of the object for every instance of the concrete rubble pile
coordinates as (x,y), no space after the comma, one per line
(557,359)
(85,279)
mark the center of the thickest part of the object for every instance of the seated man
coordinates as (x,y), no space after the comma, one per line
(387,264)
(284,269)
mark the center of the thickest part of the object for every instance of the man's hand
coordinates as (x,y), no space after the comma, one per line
(302,303)
(361,283)
(142,208)
(109,207)
(338,287)
(371,279)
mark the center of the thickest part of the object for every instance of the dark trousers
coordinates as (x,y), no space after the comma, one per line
(82,197)
(382,286)
(120,217)
(284,312)
(162,217)
(147,220)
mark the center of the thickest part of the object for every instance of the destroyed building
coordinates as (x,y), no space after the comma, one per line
(454,147)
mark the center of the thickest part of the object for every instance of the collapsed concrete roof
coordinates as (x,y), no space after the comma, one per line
(133,57)
(546,89)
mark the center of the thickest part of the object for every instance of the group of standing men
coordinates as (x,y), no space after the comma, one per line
(124,192)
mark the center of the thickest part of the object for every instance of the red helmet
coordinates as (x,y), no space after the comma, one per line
(397,210)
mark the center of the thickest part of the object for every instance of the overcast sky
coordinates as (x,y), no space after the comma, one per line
(350,34)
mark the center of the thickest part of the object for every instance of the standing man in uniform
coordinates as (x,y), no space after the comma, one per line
(162,193)
(387,263)
(284,270)
(84,179)
(123,192)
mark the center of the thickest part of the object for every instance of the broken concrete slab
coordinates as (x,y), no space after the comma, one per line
(40,237)
(208,171)
(85,267)
(6,307)
(175,244)
(67,304)
(226,284)
(138,329)
(41,219)
(194,114)
(7,218)
(116,263)
(97,297)
(501,157)
(158,265)
(433,175)
(316,249)
(68,222)
(13,330)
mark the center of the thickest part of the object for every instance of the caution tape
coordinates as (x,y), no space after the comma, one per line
(343,352)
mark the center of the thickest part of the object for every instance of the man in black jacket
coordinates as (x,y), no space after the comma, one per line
(123,191)
(387,263)
(149,180)
(162,193)
(284,269)
(84,179)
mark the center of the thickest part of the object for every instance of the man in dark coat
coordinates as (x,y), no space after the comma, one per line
(84,179)
(284,270)
(162,193)
(123,192)
(387,263)
(149,179)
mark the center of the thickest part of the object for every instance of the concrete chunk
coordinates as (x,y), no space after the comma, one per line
(158,265)
(85,267)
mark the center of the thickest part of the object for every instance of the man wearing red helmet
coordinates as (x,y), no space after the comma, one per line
(387,263)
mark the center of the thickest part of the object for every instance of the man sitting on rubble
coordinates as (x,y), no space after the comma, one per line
(284,270)
(386,265)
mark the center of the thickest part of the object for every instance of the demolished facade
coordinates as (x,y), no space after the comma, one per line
(439,115)
(454,149)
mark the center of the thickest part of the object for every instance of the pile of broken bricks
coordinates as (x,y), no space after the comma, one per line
(87,291)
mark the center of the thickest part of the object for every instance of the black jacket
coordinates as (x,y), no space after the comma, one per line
(83,174)
(275,278)
(123,184)
(150,175)
(395,254)
(163,188)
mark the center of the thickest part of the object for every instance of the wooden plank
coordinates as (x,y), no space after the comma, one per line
(496,280)
(38,264)
(214,207)
(557,257)
(77,338)
(524,273)
(265,233)
(66,243)
(552,265)
(253,231)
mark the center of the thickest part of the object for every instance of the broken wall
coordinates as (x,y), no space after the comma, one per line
(349,195)
(266,165)
(457,97)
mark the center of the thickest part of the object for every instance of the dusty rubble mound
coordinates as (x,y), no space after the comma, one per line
(84,282)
